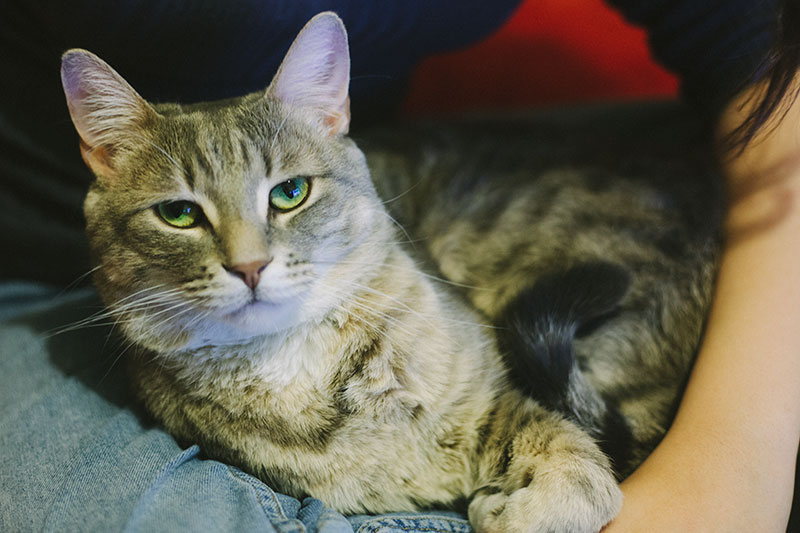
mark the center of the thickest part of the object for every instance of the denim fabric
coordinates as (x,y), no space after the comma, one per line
(431,522)
(77,455)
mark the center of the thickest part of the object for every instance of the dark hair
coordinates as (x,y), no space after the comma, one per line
(778,72)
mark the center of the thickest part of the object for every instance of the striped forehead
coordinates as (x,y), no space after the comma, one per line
(232,156)
(228,154)
(226,164)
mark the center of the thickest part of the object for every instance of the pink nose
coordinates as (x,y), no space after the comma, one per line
(250,273)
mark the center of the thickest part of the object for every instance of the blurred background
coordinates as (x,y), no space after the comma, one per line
(549,52)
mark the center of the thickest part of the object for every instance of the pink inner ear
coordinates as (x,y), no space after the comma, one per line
(73,65)
(97,159)
(102,105)
(315,74)
(75,68)
(339,123)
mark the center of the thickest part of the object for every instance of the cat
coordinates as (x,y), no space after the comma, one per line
(515,355)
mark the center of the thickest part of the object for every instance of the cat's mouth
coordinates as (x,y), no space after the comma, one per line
(255,305)
(268,309)
(259,316)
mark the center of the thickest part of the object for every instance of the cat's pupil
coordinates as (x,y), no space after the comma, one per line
(291,189)
(179,209)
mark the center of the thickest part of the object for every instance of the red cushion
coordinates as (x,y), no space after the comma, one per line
(548,52)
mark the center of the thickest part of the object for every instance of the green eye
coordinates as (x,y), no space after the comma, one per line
(289,194)
(181,214)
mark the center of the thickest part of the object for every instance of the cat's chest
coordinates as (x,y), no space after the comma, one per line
(299,390)
(307,439)
(341,398)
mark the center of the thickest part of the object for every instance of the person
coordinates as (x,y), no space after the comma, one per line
(73,450)
(728,462)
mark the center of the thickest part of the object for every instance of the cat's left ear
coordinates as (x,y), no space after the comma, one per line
(315,74)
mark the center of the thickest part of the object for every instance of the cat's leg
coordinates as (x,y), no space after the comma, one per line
(543,474)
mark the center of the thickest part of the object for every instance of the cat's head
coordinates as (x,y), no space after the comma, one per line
(222,221)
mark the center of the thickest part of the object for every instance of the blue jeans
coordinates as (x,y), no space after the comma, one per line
(76,454)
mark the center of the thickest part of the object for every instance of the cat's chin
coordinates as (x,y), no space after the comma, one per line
(263,318)
(243,325)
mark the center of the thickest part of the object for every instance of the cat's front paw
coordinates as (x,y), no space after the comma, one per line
(554,502)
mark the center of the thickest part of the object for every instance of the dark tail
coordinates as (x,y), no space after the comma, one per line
(540,327)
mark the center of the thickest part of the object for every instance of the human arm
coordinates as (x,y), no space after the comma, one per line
(728,462)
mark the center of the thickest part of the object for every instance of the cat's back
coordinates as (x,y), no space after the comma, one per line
(501,198)
(497,203)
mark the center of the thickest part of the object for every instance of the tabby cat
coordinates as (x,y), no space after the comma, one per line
(517,354)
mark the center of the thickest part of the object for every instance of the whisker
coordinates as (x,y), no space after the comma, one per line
(396,323)
(131,344)
(114,362)
(419,314)
(414,270)
(396,223)
(78,280)
(390,200)
(368,306)
(117,310)
(382,243)
(361,305)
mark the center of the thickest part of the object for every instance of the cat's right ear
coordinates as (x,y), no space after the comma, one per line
(104,108)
